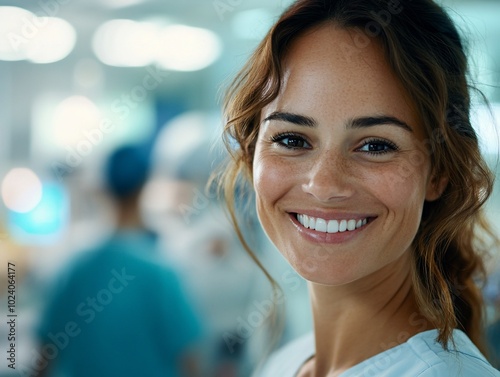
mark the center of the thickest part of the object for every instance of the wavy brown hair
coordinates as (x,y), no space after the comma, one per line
(426,53)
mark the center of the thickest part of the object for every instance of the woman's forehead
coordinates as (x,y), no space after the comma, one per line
(326,76)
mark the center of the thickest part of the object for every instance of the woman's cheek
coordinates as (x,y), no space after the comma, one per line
(397,187)
(269,176)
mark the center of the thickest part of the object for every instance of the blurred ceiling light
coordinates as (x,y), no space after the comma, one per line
(73,118)
(15,24)
(185,48)
(125,43)
(23,35)
(252,24)
(53,42)
(21,190)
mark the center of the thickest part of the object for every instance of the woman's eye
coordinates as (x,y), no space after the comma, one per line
(290,141)
(378,147)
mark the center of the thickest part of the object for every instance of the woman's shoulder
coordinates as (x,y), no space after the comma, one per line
(462,359)
(423,356)
(420,356)
(287,360)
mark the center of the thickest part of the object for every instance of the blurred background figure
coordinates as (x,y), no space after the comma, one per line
(120,311)
(233,296)
(82,79)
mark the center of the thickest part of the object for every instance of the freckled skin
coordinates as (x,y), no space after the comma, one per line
(336,173)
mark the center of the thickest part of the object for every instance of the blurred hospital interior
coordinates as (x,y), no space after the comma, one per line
(81,79)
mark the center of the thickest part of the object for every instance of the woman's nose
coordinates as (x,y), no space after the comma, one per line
(330,177)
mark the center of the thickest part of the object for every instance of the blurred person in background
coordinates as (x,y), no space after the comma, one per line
(208,255)
(198,238)
(120,310)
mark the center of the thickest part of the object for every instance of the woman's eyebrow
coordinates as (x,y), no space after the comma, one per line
(371,121)
(360,122)
(300,120)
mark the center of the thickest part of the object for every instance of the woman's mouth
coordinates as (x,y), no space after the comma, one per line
(330,226)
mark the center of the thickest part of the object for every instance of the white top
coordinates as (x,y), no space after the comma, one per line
(420,356)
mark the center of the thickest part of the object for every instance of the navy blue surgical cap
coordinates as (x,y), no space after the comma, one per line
(127,170)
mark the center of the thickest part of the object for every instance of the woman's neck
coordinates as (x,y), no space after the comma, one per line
(358,320)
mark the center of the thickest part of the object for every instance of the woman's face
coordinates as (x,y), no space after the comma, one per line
(339,171)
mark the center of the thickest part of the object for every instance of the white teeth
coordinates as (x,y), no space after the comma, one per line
(351,225)
(343,226)
(304,220)
(320,225)
(312,223)
(333,226)
(330,226)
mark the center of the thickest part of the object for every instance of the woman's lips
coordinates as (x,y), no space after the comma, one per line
(334,230)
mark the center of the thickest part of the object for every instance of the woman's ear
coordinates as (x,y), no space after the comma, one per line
(435,187)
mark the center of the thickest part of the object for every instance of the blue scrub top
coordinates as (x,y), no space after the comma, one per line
(119,312)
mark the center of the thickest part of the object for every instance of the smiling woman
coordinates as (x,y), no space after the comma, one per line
(333,164)
(352,126)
